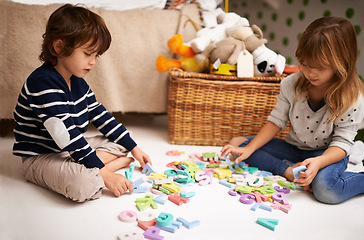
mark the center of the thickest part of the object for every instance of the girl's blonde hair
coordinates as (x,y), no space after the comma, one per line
(330,42)
(75,26)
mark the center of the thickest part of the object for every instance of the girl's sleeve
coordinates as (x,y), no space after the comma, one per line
(107,124)
(345,128)
(280,114)
(49,102)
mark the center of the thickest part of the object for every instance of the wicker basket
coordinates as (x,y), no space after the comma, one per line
(208,109)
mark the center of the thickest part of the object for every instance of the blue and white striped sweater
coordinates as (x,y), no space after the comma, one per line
(51,118)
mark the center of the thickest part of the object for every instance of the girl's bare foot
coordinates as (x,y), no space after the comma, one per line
(236,141)
(308,188)
(289,173)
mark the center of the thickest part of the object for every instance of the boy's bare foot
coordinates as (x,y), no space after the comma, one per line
(119,163)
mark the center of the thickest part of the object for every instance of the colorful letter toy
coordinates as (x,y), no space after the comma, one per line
(265,207)
(282,189)
(187,194)
(268,223)
(297,170)
(128,216)
(161,199)
(229,164)
(177,199)
(164,180)
(137,182)
(260,197)
(173,153)
(254,181)
(153,234)
(252,170)
(188,224)
(170,228)
(137,188)
(232,192)
(202,178)
(247,198)
(279,206)
(243,189)
(225,183)
(280,197)
(255,206)
(148,202)
(164,219)
(147,224)
(129,173)
(148,169)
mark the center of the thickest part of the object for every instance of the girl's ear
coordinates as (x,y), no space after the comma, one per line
(57,45)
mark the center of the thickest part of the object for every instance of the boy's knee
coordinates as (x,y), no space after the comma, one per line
(81,188)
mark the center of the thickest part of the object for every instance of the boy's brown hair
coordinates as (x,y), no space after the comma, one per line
(75,26)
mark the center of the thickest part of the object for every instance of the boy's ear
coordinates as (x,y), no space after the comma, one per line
(58,45)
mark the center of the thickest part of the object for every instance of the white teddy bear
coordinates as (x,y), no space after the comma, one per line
(209,35)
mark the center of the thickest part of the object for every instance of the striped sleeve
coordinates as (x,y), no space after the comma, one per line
(107,124)
(48,101)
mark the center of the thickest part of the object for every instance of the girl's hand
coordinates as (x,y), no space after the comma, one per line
(306,177)
(142,157)
(243,152)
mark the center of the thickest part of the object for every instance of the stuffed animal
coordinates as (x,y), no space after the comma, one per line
(210,11)
(266,61)
(186,60)
(252,36)
(176,45)
(227,50)
(215,34)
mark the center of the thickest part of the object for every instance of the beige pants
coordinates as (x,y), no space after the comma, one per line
(59,173)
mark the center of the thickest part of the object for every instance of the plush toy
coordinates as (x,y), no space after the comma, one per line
(215,34)
(289,69)
(176,45)
(210,11)
(252,36)
(186,61)
(227,50)
(164,64)
(266,61)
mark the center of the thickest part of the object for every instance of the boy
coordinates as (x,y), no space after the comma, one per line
(55,107)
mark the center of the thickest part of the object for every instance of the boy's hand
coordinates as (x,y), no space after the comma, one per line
(243,152)
(115,182)
(141,156)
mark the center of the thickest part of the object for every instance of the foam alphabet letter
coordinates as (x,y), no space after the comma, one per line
(247,198)
(153,234)
(280,197)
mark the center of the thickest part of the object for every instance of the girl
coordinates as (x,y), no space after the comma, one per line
(55,107)
(325,106)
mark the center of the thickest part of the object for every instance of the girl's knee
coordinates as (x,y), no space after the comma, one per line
(324,193)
